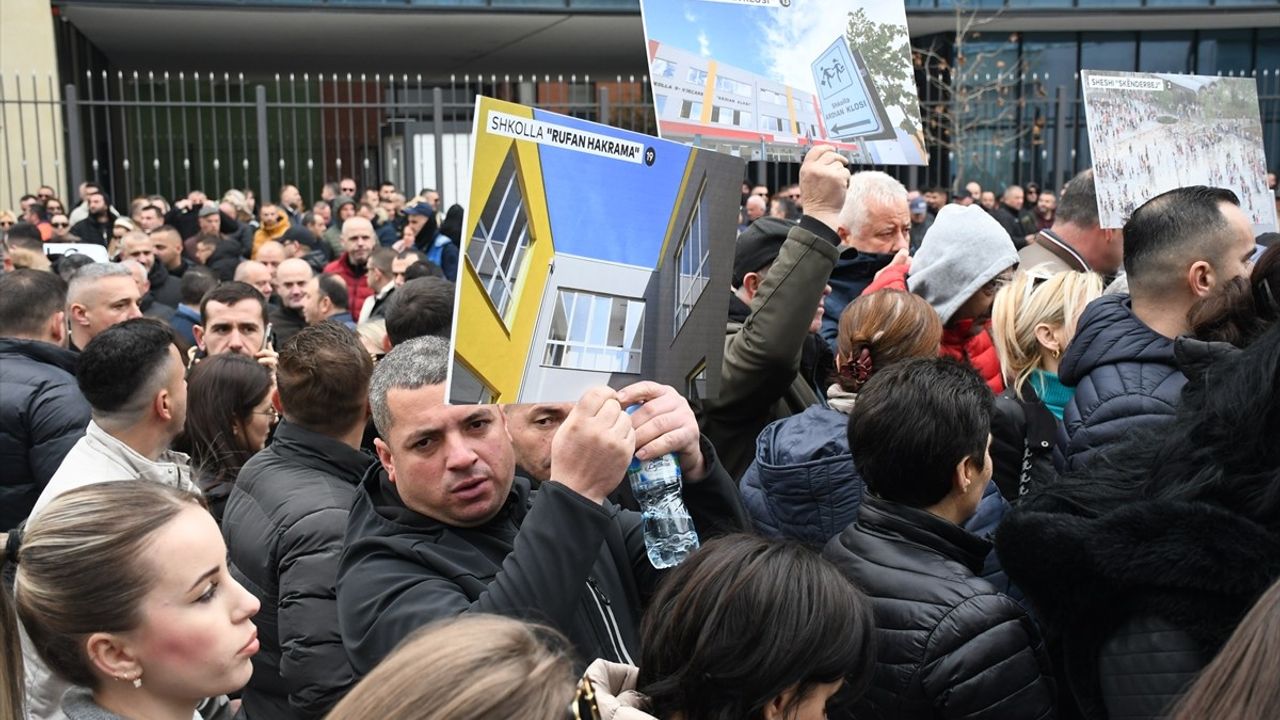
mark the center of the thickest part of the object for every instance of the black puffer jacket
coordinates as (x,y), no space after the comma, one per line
(1135,595)
(1026,443)
(550,556)
(1126,380)
(42,414)
(284,524)
(947,644)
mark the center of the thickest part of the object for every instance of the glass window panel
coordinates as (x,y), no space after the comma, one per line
(579,315)
(1164,52)
(501,232)
(1224,51)
(606,333)
(1108,51)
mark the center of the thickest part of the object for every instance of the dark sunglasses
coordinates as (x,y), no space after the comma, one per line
(60,224)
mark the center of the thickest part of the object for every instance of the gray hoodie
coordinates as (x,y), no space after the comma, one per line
(963,250)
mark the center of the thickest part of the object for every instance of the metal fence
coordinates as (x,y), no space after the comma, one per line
(168,133)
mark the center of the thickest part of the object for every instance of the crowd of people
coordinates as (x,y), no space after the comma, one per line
(964,462)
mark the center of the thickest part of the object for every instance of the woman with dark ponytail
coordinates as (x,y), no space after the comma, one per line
(802,484)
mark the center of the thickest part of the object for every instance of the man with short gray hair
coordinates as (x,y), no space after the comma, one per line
(876,222)
(443,527)
(99,296)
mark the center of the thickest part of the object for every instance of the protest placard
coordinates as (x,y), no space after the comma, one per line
(766,79)
(592,256)
(1152,132)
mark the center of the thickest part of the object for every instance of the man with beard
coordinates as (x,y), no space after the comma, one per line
(96,228)
(274,225)
(208,222)
(291,203)
(357,244)
(168,250)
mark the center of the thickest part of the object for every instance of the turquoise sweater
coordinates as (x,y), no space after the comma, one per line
(1052,392)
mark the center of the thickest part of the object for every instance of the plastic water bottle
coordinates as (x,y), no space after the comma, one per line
(669,535)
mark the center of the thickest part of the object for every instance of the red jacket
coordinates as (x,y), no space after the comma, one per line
(357,285)
(959,340)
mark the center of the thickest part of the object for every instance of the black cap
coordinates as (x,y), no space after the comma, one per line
(962,194)
(758,246)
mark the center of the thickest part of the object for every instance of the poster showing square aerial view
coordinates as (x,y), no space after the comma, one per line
(766,79)
(592,256)
(1152,132)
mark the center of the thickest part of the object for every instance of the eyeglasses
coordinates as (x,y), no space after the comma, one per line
(269,412)
(998,282)
(6,223)
(60,224)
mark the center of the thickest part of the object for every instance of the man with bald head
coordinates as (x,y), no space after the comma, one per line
(271,254)
(253,272)
(99,296)
(287,318)
(358,240)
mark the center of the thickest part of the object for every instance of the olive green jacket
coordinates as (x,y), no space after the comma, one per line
(760,379)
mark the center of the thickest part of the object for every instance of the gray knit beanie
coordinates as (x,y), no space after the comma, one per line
(963,250)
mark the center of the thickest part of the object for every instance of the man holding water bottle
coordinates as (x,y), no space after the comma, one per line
(442,525)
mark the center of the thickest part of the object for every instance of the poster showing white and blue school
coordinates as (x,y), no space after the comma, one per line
(767,79)
(592,256)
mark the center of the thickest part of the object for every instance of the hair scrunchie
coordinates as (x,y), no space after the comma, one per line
(856,373)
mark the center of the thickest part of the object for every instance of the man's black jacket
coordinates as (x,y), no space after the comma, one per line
(549,556)
(284,524)
(42,415)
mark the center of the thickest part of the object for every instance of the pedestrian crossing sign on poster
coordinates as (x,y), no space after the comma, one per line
(847,102)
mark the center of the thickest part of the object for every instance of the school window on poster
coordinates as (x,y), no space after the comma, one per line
(773,98)
(589,331)
(664,69)
(723,115)
(467,389)
(690,110)
(696,383)
(733,87)
(697,76)
(660,102)
(692,258)
(501,238)
(770,123)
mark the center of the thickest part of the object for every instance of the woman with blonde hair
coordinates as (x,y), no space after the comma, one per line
(470,667)
(124,592)
(802,483)
(1033,320)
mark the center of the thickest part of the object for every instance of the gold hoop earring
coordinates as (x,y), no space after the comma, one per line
(1056,354)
